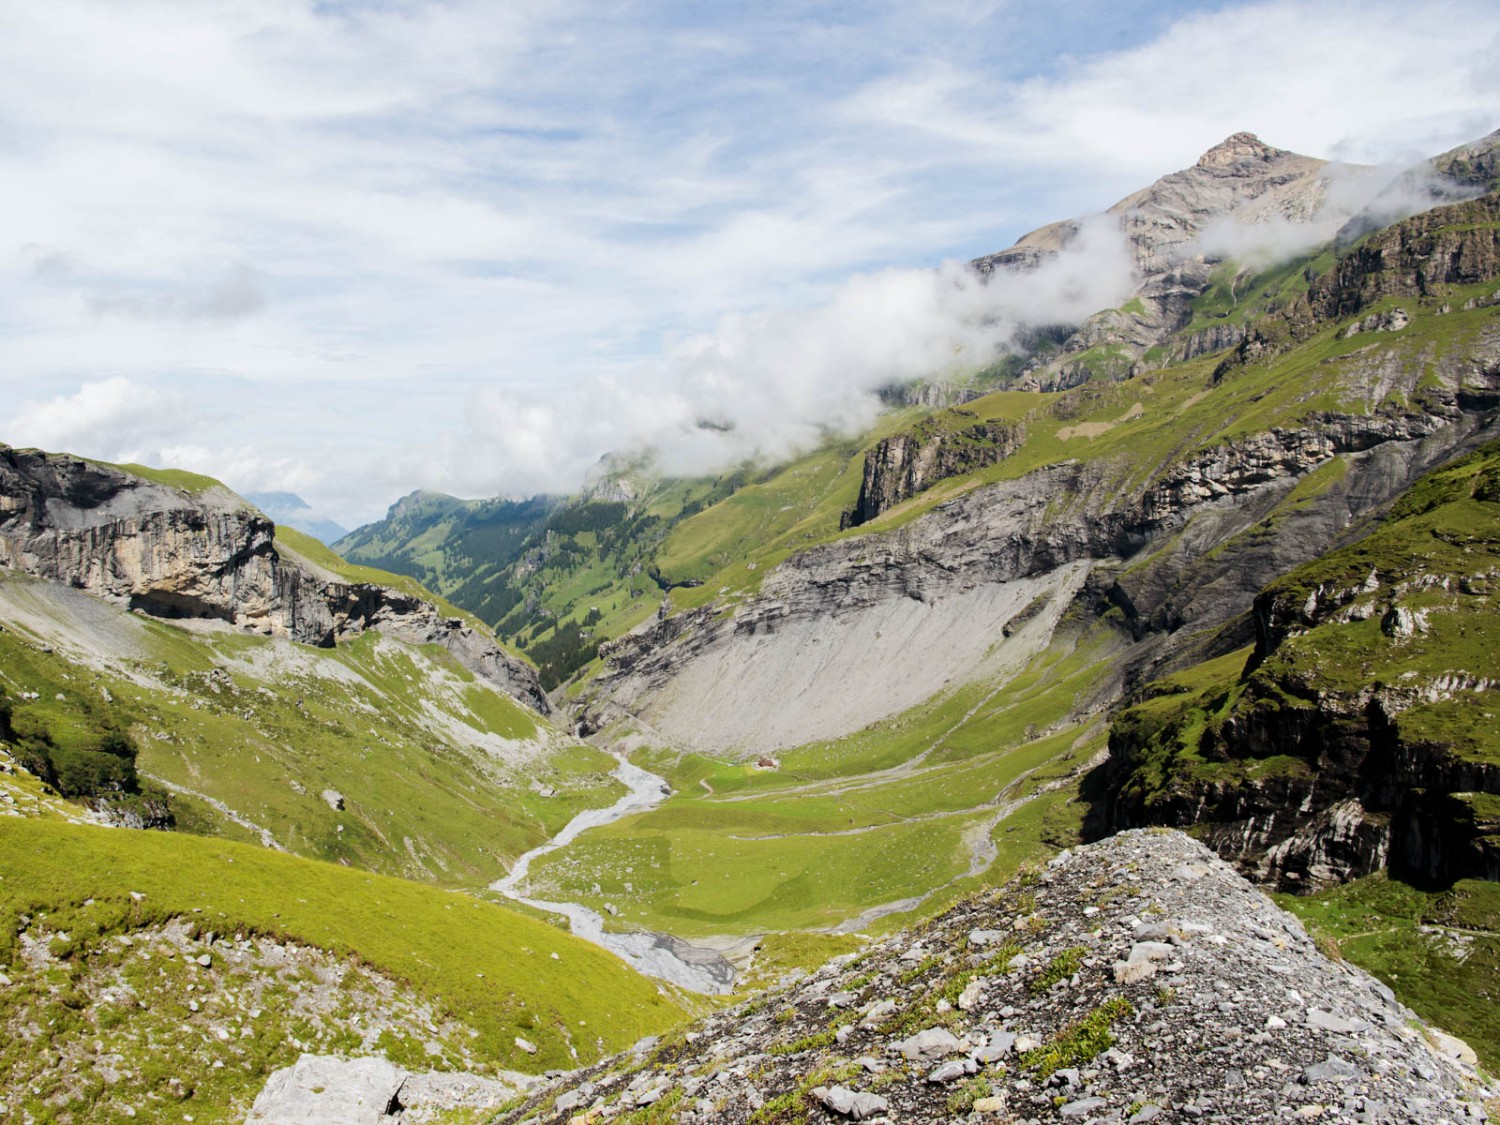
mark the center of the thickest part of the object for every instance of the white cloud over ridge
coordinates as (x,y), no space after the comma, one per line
(380,245)
(768,385)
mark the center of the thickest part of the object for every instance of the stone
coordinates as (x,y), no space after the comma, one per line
(1082,1108)
(982,938)
(1331,1069)
(526,1045)
(878,1014)
(1453,1047)
(1150,951)
(850,1104)
(1133,972)
(998,1047)
(952,1071)
(971,995)
(933,1043)
(1327,1021)
(989,1105)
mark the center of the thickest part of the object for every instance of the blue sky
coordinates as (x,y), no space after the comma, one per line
(353,249)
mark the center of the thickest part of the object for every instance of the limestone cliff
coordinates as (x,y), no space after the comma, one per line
(945,445)
(868,626)
(1355,738)
(200,552)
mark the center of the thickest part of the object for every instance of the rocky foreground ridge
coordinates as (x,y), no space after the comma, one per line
(1137,979)
(205,554)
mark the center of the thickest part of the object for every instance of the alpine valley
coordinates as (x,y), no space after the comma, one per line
(928,771)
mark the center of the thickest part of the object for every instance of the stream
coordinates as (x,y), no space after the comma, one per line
(657,955)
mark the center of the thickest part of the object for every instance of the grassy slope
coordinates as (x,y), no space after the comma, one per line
(888,813)
(1439,951)
(513,977)
(434,765)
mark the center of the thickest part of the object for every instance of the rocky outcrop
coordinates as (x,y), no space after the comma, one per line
(902,465)
(1352,741)
(1420,257)
(206,554)
(1454,245)
(1137,979)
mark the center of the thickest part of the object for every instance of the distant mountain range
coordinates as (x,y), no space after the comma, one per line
(290,509)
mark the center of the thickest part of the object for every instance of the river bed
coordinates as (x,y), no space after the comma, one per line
(657,955)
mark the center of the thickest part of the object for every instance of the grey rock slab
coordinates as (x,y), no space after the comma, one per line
(933,1043)
(998,1047)
(951,1071)
(1151,951)
(318,1090)
(1082,1108)
(1328,1021)
(1331,1069)
(855,1105)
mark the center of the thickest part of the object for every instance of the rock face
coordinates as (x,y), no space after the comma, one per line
(1352,740)
(205,554)
(1238,186)
(910,601)
(1137,979)
(903,465)
(1241,181)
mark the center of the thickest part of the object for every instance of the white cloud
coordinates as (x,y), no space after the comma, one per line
(113,419)
(354,229)
(771,384)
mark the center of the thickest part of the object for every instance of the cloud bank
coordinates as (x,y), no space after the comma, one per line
(772,384)
(376,240)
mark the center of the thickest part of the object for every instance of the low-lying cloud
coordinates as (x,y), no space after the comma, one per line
(114,419)
(1356,199)
(771,384)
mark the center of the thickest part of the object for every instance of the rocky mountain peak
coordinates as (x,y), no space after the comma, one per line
(1237,148)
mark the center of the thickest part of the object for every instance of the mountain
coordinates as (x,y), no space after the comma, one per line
(1217,560)
(890,671)
(290,509)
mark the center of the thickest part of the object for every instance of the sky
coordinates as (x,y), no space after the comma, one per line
(349,250)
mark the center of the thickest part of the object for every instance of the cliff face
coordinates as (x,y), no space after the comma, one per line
(922,605)
(1458,244)
(1134,979)
(1356,736)
(903,465)
(174,553)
